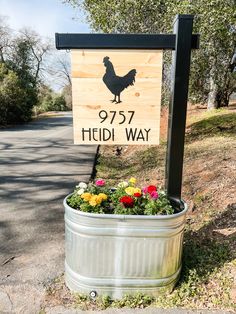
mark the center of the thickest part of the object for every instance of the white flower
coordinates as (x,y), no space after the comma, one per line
(82,185)
(80,191)
(123,184)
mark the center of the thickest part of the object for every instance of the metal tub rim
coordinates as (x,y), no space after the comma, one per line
(124,217)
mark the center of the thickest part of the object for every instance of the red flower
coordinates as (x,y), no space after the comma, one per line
(137,194)
(151,188)
(127,201)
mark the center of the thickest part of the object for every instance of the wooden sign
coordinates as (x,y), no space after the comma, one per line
(116,96)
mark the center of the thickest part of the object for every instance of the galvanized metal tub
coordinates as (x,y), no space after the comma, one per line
(122,254)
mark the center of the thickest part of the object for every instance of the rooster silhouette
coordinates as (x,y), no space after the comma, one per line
(116,84)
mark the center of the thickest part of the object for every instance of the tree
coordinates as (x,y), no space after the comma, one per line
(67,94)
(130,16)
(60,70)
(215,21)
(36,49)
(51,101)
(211,79)
(14,99)
(5,38)
(21,60)
(59,103)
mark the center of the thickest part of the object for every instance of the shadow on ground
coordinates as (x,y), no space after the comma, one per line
(41,124)
(223,125)
(211,246)
(35,178)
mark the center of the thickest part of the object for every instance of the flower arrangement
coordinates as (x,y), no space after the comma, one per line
(126,199)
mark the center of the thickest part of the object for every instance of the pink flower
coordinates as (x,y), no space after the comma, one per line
(100,182)
(154,195)
(145,190)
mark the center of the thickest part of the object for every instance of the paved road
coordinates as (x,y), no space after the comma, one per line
(39,165)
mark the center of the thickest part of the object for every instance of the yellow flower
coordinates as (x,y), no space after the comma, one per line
(103,196)
(137,190)
(86,196)
(99,199)
(132,180)
(130,190)
(93,200)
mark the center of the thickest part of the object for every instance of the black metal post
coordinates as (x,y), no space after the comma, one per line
(183,25)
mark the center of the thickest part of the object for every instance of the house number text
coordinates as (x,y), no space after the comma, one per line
(115,117)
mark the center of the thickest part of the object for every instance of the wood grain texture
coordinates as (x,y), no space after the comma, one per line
(119,57)
(87,64)
(91,96)
(94,92)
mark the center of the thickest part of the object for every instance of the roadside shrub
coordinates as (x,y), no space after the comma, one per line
(52,103)
(59,103)
(16,102)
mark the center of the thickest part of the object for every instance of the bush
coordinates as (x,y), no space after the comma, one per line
(53,103)
(16,102)
(59,103)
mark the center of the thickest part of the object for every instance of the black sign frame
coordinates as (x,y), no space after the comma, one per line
(182,41)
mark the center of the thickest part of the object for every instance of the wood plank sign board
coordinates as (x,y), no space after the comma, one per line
(116,96)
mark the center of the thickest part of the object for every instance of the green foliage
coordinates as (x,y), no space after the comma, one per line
(67,93)
(214,20)
(50,101)
(21,58)
(74,201)
(15,100)
(21,62)
(125,199)
(47,103)
(137,300)
(53,103)
(124,16)
(159,207)
(18,91)
(59,103)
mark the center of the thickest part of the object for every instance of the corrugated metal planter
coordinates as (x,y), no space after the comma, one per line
(122,254)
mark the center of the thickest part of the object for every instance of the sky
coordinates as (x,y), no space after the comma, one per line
(46,17)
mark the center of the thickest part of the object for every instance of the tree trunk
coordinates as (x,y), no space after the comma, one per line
(1,56)
(225,92)
(212,95)
(222,98)
(213,88)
